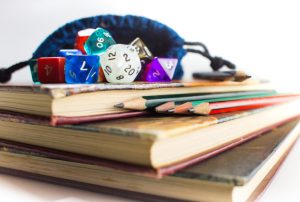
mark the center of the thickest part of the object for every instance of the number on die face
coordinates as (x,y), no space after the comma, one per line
(160,70)
(82,68)
(120,63)
(98,42)
(51,69)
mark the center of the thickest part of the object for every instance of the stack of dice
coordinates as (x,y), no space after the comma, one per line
(97,58)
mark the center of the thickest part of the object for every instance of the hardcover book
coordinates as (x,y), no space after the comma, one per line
(77,103)
(159,142)
(239,174)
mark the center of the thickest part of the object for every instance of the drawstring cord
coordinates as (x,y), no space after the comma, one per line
(5,73)
(216,63)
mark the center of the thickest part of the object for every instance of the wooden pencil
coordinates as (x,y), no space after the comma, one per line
(207,108)
(146,102)
(165,107)
(183,107)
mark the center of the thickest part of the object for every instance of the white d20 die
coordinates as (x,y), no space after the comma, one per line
(120,63)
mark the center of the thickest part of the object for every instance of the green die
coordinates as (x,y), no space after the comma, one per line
(98,42)
(34,71)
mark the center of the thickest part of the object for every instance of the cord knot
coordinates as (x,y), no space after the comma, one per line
(5,75)
(217,63)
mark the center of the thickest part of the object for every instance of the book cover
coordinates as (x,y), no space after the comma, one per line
(151,126)
(63,120)
(63,90)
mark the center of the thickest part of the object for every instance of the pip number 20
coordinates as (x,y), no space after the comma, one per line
(130,71)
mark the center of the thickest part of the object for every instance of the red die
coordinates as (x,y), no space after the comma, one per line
(51,69)
(81,38)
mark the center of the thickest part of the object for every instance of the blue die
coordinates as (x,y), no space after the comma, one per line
(82,68)
(66,52)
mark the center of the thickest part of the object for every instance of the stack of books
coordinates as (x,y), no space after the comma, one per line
(73,135)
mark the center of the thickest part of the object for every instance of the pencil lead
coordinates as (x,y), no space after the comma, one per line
(171,110)
(119,105)
(191,110)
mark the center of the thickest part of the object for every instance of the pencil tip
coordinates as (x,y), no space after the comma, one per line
(120,105)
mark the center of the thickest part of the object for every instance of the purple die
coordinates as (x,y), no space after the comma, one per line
(160,70)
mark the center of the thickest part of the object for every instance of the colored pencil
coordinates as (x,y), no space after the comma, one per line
(240,108)
(183,107)
(222,76)
(207,108)
(146,102)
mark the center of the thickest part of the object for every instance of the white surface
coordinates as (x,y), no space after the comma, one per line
(260,37)
(15,189)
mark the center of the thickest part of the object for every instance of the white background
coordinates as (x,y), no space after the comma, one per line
(260,37)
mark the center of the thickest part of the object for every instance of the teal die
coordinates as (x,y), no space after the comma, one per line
(34,71)
(98,42)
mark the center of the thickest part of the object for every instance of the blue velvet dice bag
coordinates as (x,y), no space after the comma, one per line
(162,40)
